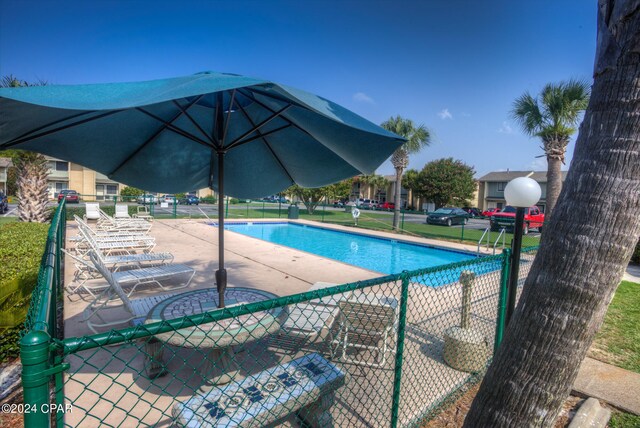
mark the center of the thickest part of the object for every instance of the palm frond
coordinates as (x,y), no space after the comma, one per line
(417,137)
(526,112)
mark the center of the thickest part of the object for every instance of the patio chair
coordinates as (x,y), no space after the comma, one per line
(122,211)
(143,213)
(108,223)
(84,272)
(128,244)
(312,320)
(92,211)
(109,234)
(137,309)
(366,322)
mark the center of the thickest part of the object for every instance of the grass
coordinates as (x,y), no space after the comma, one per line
(5,220)
(624,420)
(618,341)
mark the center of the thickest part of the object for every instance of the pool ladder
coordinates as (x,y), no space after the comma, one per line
(487,233)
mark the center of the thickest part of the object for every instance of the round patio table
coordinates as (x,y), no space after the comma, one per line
(217,338)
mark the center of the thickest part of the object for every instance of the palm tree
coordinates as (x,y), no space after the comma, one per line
(32,170)
(417,137)
(553,117)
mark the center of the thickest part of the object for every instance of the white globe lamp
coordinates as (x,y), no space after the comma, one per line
(522,192)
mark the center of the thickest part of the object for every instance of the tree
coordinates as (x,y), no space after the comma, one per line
(445,182)
(417,137)
(552,116)
(132,192)
(311,197)
(31,171)
(377,182)
(580,264)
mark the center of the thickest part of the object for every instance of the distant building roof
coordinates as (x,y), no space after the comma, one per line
(5,162)
(501,176)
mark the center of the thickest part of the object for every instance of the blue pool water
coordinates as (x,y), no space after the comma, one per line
(376,254)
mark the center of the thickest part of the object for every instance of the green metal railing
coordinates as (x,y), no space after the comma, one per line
(105,379)
(39,359)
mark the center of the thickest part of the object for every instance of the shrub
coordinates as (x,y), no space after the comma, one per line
(131,192)
(21,249)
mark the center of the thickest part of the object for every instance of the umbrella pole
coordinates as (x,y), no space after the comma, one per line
(221,273)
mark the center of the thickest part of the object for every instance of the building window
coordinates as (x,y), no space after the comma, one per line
(58,166)
(501,186)
(112,189)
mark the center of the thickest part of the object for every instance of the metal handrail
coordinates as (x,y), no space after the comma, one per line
(486,232)
(502,233)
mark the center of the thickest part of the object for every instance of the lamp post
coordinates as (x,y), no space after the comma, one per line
(521,193)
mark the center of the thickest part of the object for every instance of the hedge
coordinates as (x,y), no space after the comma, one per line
(21,249)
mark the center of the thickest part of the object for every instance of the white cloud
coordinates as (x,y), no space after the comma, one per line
(464,114)
(363,98)
(445,114)
(505,129)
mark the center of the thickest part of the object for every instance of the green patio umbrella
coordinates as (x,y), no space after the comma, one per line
(237,135)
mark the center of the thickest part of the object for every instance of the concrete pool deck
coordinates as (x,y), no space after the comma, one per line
(115,371)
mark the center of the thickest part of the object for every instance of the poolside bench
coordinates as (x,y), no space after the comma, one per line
(304,386)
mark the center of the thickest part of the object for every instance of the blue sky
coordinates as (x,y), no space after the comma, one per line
(454,65)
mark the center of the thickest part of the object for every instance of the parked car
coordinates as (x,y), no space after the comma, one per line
(533,219)
(71,196)
(170,199)
(387,206)
(448,216)
(490,211)
(473,212)
(368,204)
(147,199)
(338,204)
(189,200)
(4,203)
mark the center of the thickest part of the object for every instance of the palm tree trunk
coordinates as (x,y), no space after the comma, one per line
(580,264)
(397,199)
(554,183)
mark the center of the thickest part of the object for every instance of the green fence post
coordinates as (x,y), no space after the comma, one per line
(462,233)
(226,211)
(502,299)
(34,353)
(324,206)
(115,201)
(402,224)
(263,209)
(395,405)
(175,208)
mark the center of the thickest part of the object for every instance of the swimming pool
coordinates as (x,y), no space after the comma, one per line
(377,254)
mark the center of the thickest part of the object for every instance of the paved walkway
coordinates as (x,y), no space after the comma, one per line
(613,385)
(632,273)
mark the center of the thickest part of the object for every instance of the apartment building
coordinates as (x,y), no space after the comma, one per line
(5,163)
(491,187)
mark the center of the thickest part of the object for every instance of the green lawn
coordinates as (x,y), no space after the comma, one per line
(5,220)
(618,341)
(624,420)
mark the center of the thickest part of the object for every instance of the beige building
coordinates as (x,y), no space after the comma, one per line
(491,187)
(5,163)
(408,199)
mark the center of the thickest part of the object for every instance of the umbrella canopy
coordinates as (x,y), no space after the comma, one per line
(237,135)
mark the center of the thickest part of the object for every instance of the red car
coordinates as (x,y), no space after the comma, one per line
(387,206)
(71,196)
(489,212)
(533,219)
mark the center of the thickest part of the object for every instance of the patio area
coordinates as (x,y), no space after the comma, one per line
(107,384)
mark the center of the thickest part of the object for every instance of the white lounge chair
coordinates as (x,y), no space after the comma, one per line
(108,223)
(122,211)
(143,213)
(92,211)
(366,322)
(313,320)
(136,309)
(128,244)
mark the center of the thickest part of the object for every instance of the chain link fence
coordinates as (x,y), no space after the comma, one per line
(383,352)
